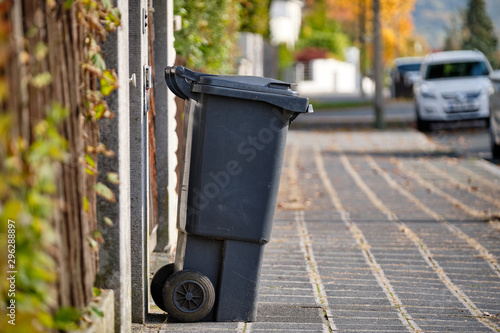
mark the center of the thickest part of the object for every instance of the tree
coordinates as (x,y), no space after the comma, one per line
(321,32)
(479,31)
(453,40)
(254,15)
(356,16)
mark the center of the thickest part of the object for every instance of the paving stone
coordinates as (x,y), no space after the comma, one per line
(431,327)
(283,284)
(376,301)
(285,275)
(351,288)
(280,292)
(349,322)
(367,327)
(200,327)
(286,327)
(282,313)
(288,300)
(372,294)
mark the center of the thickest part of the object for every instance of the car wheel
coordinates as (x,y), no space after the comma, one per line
(495,149)
(422,125)
(397,92)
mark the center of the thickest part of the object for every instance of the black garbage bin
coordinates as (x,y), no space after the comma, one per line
(235,130)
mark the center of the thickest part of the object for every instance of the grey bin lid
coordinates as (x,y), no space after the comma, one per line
(250,83)
(189,84)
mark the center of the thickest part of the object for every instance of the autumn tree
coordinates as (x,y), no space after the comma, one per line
(397,28)
(355,17)
(479,31)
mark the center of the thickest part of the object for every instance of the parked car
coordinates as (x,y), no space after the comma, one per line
(454,85)
(405,73)
(495,114)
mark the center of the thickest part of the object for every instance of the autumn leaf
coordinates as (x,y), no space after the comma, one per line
(109,82)
(112,177)
(108,221)
(104,192)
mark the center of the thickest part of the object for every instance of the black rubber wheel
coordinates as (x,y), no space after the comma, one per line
(189,296)
(495,149)
(422,125)
(158,282)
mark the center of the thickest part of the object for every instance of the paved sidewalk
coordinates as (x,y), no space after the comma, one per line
(376,232)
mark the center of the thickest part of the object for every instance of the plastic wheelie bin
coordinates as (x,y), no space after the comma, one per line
(235,131)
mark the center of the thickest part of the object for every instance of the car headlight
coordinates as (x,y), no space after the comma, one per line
(428,94)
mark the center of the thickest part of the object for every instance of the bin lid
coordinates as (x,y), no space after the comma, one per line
(250,83)
(189,84)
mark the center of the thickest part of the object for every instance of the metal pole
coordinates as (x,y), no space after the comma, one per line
(362,44)
(379,103)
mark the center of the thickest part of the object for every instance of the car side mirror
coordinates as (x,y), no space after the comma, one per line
(495,76)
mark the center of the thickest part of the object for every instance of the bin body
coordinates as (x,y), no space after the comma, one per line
(236,160)
(235,138)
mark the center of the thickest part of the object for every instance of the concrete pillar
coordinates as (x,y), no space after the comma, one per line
(139,161)
(270,60)
(114,254)
(252,54)
(165,125)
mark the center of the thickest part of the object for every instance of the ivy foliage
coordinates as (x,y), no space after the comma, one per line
(209,36)
(28,178)
(30,168)
(254,16)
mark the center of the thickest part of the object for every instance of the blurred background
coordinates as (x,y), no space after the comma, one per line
(338,34)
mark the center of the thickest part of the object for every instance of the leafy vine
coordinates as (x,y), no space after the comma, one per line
(31,160)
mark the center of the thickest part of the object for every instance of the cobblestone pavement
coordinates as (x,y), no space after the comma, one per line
(376,232)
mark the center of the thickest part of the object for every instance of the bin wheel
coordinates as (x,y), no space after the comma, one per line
(189,296)
(158,282)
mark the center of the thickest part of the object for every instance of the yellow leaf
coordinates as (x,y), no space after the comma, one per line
(105,192)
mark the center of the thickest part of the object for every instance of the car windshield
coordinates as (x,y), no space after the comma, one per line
(409,68)
(457,69)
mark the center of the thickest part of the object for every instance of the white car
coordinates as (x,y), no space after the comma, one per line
(454,85)
(405,73)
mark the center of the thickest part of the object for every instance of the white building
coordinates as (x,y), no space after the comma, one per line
(328,76)
(285,19)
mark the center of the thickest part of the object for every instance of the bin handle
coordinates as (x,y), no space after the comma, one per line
(180,84)
(296,114)
(179,79)
(189,74)
(172,84)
